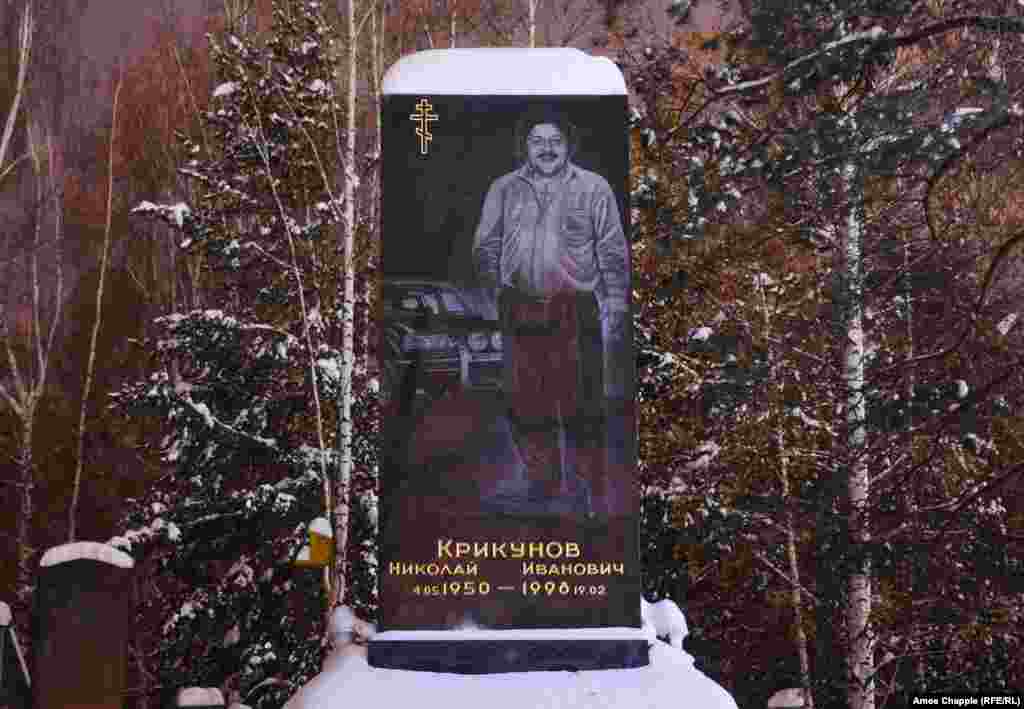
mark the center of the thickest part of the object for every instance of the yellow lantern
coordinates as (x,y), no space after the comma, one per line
(317,554)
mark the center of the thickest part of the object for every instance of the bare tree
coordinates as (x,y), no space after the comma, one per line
(531,22)
(779,435)
(557,23)
(29,346)
(24,51)
(453,11)
(373,194)
(860,660)
(91,364)
(346,248)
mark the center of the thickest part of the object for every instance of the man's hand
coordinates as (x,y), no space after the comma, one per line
(616,343)
(613,316)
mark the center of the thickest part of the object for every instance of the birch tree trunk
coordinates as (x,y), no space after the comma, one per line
(373,197)
(28,347)
(91,364)
(340,496)
(453,10)
(857,611)
(22,402)
(26,508)
(532,22)
(794,573)
(24,52)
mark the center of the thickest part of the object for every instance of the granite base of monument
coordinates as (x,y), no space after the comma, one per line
(476,652)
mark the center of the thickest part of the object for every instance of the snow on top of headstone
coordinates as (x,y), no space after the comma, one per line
(86,550)
(322,527)
(5,614)
(792,697)
(508,71)
(200,697)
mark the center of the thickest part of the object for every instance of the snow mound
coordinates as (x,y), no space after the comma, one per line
(86,550)
(508,71)
(664,619)
(5,614)
(670,680)
(344,626)
(200,697)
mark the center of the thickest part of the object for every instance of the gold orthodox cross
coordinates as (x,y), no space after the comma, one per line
(424,117)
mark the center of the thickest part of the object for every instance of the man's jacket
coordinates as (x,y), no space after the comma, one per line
(575,244)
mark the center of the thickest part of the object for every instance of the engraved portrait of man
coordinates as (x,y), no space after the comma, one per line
(550,250)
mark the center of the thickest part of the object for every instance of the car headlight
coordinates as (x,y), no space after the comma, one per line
(496,340)
(426,342)
(477,341)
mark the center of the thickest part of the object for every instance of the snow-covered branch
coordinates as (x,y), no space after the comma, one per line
(803,589)
(871,35)
(203,411)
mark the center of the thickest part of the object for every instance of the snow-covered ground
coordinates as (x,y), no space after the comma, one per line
(670,680)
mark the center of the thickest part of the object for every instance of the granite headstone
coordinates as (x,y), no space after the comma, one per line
(508,445)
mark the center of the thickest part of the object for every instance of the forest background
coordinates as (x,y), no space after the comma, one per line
(826,245)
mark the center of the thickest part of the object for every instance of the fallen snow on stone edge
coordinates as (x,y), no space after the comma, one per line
(86,550)
(670,680)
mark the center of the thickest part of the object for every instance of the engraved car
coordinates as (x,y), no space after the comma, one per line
(435,338)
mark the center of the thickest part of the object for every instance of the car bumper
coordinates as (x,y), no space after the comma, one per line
(484,371)
(481,370)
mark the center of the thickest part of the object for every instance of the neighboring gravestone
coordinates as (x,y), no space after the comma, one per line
(83,619)
(15,683)
(509,513)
